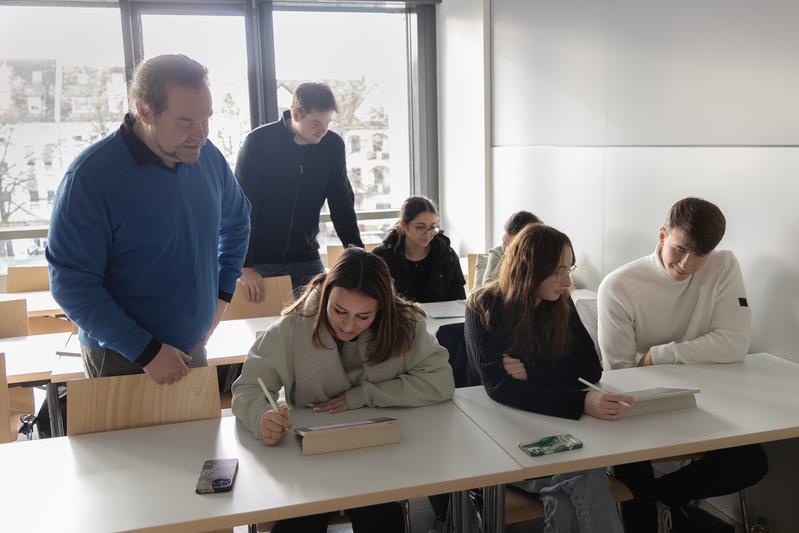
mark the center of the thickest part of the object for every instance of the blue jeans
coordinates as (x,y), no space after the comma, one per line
(577,502)
(301,272)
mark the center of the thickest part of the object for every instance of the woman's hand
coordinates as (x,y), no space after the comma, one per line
(514,367)
(334,405)
(605,405)
(274,424)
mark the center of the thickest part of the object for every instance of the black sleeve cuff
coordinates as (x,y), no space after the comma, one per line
(149,353)
(226,296)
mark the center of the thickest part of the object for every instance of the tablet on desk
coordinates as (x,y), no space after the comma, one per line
(349,435)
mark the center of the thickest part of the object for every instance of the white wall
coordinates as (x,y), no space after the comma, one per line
(463,105)
(605,112)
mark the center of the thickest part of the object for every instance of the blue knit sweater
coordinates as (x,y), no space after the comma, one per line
(140,253)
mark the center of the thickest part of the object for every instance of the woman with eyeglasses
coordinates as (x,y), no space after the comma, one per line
(525,340)
(424,266)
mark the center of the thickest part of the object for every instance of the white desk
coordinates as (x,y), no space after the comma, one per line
(30,359)
(40,303)
(743,403)
(145,478)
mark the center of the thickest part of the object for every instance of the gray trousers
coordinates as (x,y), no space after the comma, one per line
(101,362)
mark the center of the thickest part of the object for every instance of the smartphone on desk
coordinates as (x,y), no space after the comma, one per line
(217,475)
(551,444)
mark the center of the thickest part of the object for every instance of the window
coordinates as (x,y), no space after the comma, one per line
(223,52)
(363,57)
(42,50)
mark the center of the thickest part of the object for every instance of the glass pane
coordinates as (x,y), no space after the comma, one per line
(62,87)
(223,51)
(363,57)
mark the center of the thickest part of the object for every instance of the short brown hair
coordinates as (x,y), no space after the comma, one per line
(394,327)
(309,97)
(152,78)
(702,222)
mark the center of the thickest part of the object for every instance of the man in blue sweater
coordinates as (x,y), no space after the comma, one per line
(288,169)
(149,231)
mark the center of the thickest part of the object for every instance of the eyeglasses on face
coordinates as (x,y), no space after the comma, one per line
(563,272)
(422,230)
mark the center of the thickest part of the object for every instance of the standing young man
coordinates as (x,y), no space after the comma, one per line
(684,303)
(288,169)
(149,231)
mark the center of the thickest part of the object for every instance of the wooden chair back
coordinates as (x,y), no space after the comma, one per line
(14,322)
(278,295)
(41,325)
(471,267)
(335,250)
(27,279)
(122,402)
(7,433)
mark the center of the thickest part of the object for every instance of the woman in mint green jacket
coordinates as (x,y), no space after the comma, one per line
(349,341)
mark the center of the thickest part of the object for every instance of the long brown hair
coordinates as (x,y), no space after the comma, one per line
(394,326)
(532,256)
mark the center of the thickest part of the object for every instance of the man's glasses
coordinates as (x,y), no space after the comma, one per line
(422,230)
(563,272)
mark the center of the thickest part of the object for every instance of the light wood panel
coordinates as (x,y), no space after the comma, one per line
(122,402)
(278,295)
(14,321)
(6,434)
(335,250)
(27,279)
(41,325)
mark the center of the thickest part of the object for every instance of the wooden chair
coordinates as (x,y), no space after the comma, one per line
(35,278)
(15,324)
(522,506)
(7,424)
(122,402)
(334,251)
(278,295)
(27,279)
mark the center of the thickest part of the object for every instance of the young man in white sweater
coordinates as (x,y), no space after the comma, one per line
(684,303)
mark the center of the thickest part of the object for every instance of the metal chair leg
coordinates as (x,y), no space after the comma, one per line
(744,513)
(406,514)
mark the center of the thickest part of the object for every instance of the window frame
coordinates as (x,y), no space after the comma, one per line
(259,35)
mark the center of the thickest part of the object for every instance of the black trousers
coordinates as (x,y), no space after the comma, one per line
(386,517)
(717,473)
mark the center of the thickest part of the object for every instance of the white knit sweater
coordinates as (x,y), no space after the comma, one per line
(702,319)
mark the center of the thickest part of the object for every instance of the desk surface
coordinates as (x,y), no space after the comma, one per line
(31,359)
(229,344)
(40,303)
(145,478)
(742,403)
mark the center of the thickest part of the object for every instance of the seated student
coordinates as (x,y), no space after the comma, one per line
(513,226)
(527,343)
(424,267)
(347,342)
(684,303)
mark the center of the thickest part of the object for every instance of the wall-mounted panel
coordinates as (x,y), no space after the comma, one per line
(716,72)
(548,72)
(756,188)
(564,187)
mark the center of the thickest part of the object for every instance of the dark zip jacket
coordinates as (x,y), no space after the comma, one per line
(445,280)
(287,184)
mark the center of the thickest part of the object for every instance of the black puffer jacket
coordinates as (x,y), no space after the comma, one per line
(445,282)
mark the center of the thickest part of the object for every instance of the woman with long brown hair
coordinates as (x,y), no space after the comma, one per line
(349,341)
(527,343)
